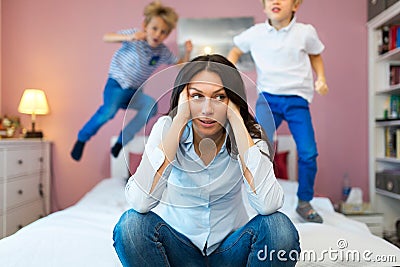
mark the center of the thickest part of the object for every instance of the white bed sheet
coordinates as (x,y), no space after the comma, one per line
(82,234)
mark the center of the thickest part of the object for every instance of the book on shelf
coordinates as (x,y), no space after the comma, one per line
(393,33)
(394,106)
(394,74)
(391,109)
(388,38)
(392,142)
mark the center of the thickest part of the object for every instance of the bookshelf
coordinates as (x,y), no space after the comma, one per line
(384,118)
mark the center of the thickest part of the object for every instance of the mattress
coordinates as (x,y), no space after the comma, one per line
(81,235)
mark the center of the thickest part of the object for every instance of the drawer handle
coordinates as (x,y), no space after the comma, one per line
(20,161)
(41,159)
(20,192)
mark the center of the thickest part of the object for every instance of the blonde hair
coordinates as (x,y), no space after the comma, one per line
(156,9)
(296,2)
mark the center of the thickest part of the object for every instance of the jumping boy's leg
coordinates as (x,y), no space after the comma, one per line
(298,116)
(114,97)
(146,108)
(267,113)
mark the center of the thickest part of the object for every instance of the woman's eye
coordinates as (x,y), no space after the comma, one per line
(195,97)
(220,97)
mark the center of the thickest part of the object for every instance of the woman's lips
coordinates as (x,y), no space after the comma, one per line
(207,123)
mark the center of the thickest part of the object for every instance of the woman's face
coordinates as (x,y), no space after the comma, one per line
(208,104)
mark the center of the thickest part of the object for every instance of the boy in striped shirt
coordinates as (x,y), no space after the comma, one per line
(141,53)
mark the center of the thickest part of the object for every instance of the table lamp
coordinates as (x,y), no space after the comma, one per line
(34,102)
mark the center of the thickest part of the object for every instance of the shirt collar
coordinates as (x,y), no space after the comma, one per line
(287,28)
(187,137)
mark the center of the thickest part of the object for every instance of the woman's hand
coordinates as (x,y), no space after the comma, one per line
(233,111)
(183,108)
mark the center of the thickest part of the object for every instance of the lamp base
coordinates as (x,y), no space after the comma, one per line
(34,135)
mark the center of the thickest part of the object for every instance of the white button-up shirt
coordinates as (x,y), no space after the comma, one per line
(202,202)
(282,57)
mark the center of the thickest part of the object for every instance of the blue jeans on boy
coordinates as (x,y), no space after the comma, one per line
(295,110)
(147,240)
(115,98)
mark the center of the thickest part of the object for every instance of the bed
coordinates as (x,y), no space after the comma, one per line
(81,235)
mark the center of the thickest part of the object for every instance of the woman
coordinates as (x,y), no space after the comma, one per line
(186,195)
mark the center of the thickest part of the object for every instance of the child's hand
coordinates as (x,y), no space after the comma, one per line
(321,87)
(139,35)
(188,46)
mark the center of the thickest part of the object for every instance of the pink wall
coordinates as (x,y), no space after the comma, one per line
(57,46)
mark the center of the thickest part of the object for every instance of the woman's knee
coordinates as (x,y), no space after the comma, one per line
(282,231)
(126,224)
(133,224)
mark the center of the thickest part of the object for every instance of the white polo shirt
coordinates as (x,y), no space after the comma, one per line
(282,57)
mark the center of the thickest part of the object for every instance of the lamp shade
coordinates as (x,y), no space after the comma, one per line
(33,101)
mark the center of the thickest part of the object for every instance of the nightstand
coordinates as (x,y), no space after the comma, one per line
(373,220)
(24,183)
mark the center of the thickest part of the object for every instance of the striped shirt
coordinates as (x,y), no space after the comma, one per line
(136,61)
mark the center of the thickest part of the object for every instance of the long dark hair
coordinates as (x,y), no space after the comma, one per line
(234,88)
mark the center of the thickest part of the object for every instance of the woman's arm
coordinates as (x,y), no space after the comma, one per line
(264,192)
(242,137)
(145,188)
(170,142)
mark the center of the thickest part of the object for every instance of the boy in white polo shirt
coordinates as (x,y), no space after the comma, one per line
(285,52)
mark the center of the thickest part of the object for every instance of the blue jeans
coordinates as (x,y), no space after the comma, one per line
(147,240)
(116,98)
(295,110)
